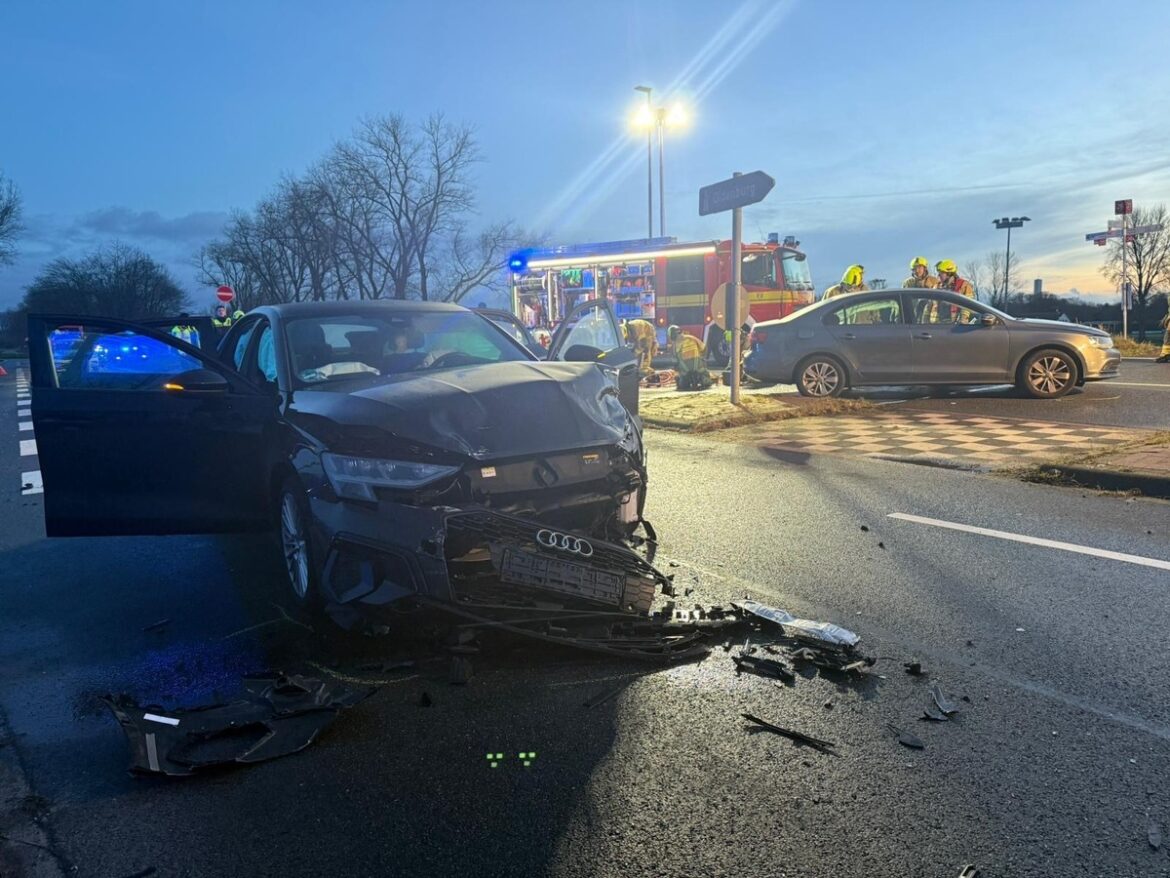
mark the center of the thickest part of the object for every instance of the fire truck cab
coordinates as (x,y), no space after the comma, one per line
(662,281)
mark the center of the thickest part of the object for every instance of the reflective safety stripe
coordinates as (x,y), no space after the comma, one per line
(688,301)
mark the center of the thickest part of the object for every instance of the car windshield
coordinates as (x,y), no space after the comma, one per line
(343,346)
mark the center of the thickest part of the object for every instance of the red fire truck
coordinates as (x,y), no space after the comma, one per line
(663,281)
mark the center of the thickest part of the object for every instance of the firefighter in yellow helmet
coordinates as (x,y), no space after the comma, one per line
(948,279)
(692,366)
(641,337)
(1164,356)
(920,277)
(852,281)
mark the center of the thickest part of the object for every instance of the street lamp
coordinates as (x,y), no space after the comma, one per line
(646,118)
(661,118)
(1016,222)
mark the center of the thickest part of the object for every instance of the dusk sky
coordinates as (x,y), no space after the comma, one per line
(893,129)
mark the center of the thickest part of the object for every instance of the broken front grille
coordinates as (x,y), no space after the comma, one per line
(498,557)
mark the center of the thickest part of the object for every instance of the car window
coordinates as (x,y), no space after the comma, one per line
(867,312)
(96,358)
(934,309)
(266,355)
(594,327)
(349,346)
(240,343)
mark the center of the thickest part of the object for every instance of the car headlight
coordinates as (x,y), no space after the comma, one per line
(357,477)
(1102,341)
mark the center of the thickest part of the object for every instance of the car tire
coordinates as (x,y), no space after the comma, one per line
(821,377)
(1048,373)
(301,574)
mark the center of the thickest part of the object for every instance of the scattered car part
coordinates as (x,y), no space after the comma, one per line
(278,716)
(914,668)
(799,737)
(968,871)
(940,700)
(764,667)
(906,739)
(825,632)
(934,715)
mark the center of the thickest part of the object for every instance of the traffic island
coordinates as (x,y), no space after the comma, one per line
(1141,467)
(709,410)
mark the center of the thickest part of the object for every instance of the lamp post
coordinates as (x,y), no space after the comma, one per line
(649,160)
(652,117)
(1015,222)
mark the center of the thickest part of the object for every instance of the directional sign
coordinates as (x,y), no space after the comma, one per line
(1129,233)
(1123,206)
(737,192)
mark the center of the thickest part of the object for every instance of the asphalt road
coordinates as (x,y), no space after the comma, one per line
(1050,768)
(1140,397)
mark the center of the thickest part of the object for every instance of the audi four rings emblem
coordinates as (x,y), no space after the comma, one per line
(564,542)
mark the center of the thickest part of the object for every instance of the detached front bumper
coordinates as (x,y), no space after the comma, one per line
(472,557)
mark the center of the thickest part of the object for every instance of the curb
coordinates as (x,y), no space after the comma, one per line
(1146,483)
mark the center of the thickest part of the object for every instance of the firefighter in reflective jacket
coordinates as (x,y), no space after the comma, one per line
(920,277)
(641,337)
(1164,356)
(948,279)
(852,281)
(692,365)
(221,319)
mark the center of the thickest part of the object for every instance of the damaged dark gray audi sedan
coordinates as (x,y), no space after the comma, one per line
(400,449)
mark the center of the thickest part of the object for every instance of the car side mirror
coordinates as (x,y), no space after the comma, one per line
(989,320)
(196,381)
(583,353)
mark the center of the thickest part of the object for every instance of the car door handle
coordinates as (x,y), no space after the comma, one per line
(924,335)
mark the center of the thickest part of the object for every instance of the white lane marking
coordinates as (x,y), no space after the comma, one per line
(165,720)
(1035,541)
(28,447)
(1135,384)
(24,413)
(23,425)
(33,482)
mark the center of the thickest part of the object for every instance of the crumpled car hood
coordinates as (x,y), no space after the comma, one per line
(500,410)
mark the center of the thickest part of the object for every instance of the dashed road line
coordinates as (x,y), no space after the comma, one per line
(30,483)
(23,426)
(28,447)
(1141,560)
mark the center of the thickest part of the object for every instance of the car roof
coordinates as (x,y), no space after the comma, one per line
(342,307)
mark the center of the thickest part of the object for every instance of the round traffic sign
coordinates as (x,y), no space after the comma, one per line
(225,293)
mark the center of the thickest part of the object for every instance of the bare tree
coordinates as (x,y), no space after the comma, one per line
(116,281)
(1002,284)
(388,212)
(974,272)
(1147,257)
(10,225)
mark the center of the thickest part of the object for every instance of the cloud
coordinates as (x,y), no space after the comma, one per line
(173,241)
(149,225)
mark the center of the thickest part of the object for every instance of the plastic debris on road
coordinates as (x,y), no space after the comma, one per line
(799,737)
(906,739)
(825,632)
(279,715)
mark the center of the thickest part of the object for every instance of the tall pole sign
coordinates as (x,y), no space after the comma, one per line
(734,195)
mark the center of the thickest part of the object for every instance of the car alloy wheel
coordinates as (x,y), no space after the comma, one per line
(1050,375)
(821,378)
(294,542)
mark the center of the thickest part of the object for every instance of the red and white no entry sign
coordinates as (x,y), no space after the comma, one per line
(225,293)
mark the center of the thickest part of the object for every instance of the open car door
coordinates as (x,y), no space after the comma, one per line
(512,325)
(590,333)
(140,432)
